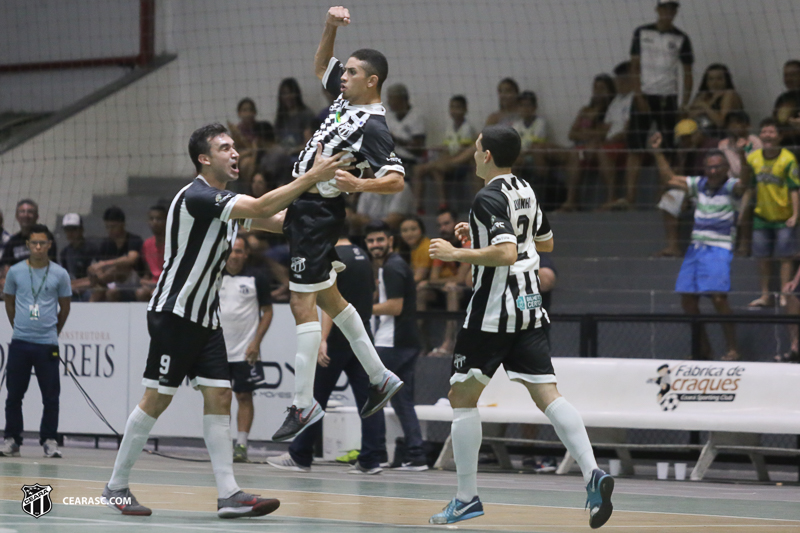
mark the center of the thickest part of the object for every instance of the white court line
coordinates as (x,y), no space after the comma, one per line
(439,500)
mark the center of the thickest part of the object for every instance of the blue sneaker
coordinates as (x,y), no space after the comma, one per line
(598,498)
(457,510)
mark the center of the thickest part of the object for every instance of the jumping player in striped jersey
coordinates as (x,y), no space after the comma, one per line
(183,315)
(507,324)
(355,124)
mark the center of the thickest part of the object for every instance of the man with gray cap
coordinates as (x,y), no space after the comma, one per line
(77,256)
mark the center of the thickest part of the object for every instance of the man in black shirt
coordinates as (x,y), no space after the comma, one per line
(77,256)
(394,325)
(119,253)
(16,249)
(335,356)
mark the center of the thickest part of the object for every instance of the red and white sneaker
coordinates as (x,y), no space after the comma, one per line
(242,504)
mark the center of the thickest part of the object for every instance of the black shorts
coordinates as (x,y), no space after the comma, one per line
(181,348)
(312,226)
(663,111)
(525,355)
(246,377)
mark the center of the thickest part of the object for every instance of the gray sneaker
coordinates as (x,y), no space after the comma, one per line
(125,502)
(51,449)
(297,420)
(380,394)
(285,462)
(241,505)
(10,448)
(359,469)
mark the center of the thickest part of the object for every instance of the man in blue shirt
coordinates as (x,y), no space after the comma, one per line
(37,295)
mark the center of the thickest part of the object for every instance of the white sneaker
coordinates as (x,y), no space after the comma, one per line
(51,449)
(10,448)
(360,470)
(285,462)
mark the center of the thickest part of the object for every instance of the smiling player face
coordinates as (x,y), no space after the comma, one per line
(222,158)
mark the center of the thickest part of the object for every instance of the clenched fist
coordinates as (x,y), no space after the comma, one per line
(338,16)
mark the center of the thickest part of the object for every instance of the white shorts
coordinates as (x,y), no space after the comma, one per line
(671,202)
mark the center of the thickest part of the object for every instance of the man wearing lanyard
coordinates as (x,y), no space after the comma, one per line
(37,295)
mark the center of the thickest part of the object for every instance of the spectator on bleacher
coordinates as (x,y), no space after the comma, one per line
(4,234)
(706,269)
(791,290)
(115,274)
(394,326)
(449,279)
(588,133)
(273,259)
(737,125)
(292,118)
(77,256)
(777,206)
(660,55)
(153,252)
(453,158)
(258,185)
(508,101)
(243,133)
(16,249)
(613,152)
(414,247)
(693,145)
(538,155)
(407,126)
(787,106)
(715,98)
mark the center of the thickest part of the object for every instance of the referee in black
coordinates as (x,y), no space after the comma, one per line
(183,315)
(357,286)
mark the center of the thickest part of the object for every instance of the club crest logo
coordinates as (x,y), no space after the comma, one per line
(219,198)
(346,129)
(298,264)
(458,360)
(36,500)
(526,302)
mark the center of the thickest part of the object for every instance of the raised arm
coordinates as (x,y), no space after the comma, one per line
(668,177)
(337,16)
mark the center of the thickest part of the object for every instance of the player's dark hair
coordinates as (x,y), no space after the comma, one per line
(244,101)
(623,69)
(160,208)
(27,201)
(792,63)
(377,226)
(739,116)
(716,66)
(375,64)
(283,112)
(509,81)
(528,96)
(114,214)
(40,228)
(769,121)
(504,144)
(460,98)
(199,141)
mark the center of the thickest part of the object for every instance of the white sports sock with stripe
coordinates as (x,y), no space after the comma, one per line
(466,434)
(309,337)
(569,427)
(352,326)
(137,429)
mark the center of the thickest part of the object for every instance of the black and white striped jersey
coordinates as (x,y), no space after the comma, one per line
(507,299)
(359,129)
(199,234)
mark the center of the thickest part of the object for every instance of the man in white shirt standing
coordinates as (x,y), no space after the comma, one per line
(617,117)
(245,313)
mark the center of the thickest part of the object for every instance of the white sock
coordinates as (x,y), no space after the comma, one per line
(137,429)
(309,337)
(217,434)
(570,429)
(241,440)
(353,328)
(466,435)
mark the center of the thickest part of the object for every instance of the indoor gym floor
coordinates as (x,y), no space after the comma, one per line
(183,498)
